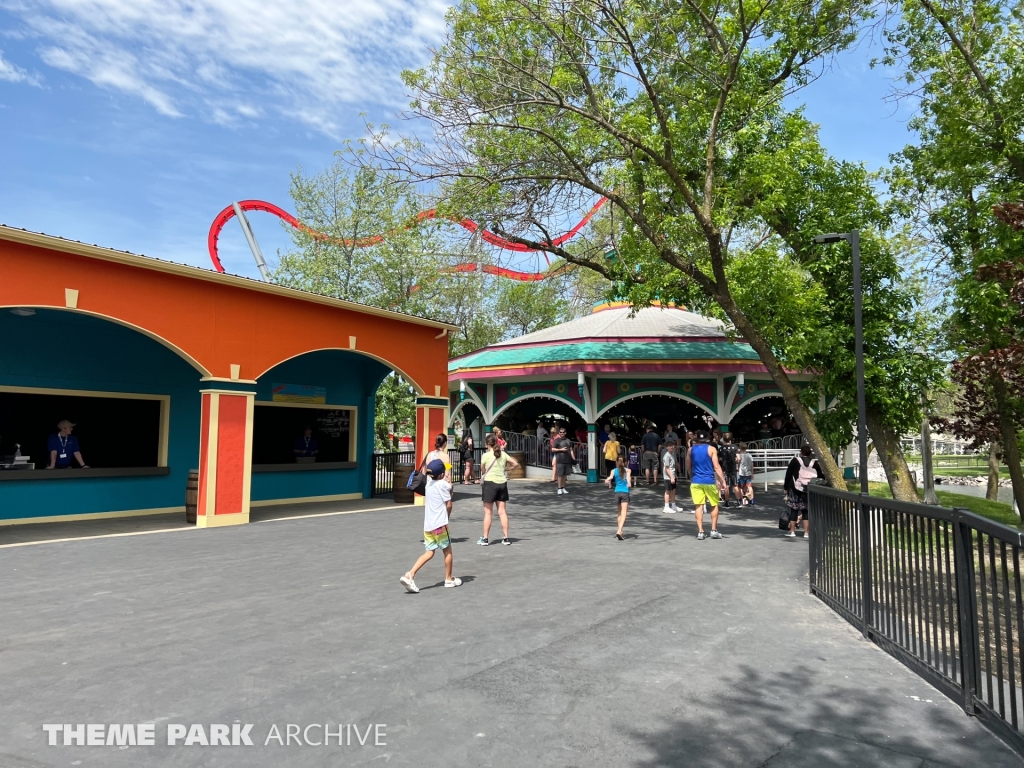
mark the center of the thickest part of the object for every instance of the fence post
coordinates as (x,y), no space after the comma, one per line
(867,607)
(815,524)
(967,605)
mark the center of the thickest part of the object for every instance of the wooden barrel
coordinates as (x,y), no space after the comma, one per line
(192,496)
(520,471)
(402,494)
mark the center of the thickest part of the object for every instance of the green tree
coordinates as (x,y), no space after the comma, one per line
(964,64)
(809,191)
(657,106)
(395,412)
(362,240)
(523,308)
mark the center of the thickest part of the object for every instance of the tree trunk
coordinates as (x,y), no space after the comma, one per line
(890,453)
(992,491)
(791,395)
(1011,448)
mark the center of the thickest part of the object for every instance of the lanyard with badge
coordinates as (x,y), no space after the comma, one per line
(63,445)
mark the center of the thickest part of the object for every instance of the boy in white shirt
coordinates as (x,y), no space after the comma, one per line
(668,468)
(746,475)
(437,509)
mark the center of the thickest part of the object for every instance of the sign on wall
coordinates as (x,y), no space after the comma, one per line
(299,393)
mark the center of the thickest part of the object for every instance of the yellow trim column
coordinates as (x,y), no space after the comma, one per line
(225,478)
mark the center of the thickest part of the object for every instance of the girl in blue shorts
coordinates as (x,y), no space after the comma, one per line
(621,477)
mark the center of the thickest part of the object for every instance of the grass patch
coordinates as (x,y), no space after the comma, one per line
(965,472)
(993,510)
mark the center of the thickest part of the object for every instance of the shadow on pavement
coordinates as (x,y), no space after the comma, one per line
(859,729)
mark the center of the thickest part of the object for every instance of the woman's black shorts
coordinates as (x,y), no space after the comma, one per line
(495,491)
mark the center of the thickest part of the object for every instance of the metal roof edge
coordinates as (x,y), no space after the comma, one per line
(55,243)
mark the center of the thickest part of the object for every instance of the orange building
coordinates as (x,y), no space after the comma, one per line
(165,368)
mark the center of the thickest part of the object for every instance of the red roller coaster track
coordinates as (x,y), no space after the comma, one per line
(488,237)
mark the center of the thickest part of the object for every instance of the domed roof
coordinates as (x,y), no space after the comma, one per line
(614,322)
(654,339)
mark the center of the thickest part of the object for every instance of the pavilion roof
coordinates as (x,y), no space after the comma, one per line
(652,339)
(615,323)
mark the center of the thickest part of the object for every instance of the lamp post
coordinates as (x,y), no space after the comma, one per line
(867,607)
(853,238)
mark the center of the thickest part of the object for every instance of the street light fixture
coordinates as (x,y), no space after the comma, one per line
(853,238)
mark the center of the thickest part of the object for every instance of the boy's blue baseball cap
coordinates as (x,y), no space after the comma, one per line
(436,469)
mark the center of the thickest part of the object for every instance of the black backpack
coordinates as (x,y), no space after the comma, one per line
(728,454)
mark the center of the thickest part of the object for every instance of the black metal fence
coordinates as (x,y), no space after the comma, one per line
(940,589)
(384,464)
(383,469)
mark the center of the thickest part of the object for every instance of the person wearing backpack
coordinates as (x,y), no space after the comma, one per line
(728,455)
(467,449)
(801,471)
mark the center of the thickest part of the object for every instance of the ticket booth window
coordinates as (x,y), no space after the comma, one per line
(113,431)
(279,429)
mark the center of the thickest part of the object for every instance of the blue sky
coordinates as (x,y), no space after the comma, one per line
(132,123)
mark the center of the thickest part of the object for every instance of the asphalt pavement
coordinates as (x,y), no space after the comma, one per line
(567,648)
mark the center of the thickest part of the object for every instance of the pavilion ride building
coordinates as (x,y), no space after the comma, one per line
(663,364)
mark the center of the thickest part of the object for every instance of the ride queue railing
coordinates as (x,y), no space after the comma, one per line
(538,452)
(383,470)
(940,589)
(788,442)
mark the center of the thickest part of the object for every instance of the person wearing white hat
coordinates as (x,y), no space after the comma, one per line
(63,446)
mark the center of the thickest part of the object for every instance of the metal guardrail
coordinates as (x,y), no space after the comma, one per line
(940,589)
(383,468)
(538,452)
(767,460)
(777,443)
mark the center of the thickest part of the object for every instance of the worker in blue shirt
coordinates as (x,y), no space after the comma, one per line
(63,447)
(306,445)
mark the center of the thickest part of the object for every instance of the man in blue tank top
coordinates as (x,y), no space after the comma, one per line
(705,479)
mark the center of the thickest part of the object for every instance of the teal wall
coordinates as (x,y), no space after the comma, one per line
(69,350)
(351,379)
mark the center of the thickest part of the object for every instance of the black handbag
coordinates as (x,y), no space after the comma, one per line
(418,481)
(784,521)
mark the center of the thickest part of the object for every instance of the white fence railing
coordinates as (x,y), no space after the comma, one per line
(768,460)
(777,443)
(774,458)
(538,453)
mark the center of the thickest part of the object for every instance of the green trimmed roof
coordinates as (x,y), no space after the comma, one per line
(496,356)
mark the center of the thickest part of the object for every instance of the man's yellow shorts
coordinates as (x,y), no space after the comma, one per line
(700,492)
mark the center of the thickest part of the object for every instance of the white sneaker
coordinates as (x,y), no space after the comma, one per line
(674,508)
(409,584)
(790,535)
(668,510)
(455,582)
(565,491)
(807,536)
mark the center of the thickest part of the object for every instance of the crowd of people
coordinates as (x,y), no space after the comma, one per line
(714,465)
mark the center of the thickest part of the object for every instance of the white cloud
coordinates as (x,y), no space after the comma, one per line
(15,74)
(110,69)
(306,59)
